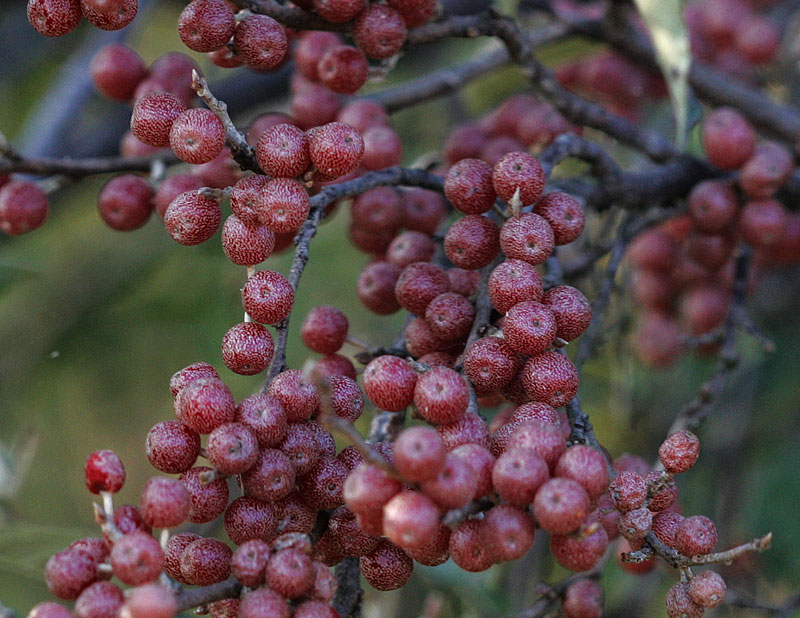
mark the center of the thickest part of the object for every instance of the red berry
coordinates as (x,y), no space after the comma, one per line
(425,210)
(282,151)
(247,348)
(561,505)
(188,374)
(529,327)
(518,170)
(260,42)
(507,532)
(415,12)
(54,17)
(410,519)
(679,452)
(172,447)
(454,486)
(580,553)
(192,218)
(165,502)
(137,558)
(450,316)
(469,429)
(150,601)
(382,148)
(763,222)
(116,71)
(441,395)
(472,242)
(628,491)
(246,246)
(313,106)
(680,603)
(696,535)
(290,573)
(197,136)
(125,203)
(517,475)
(728,138)
(324,329)
(387,568)
(571,309)
(379,31)
(528,237)
(550,377)
(564,214)
(712,206)
(343,69)
(109,14)
(376,286)
(204,404)
(206,25)
(419,454)
(205,561)
(583,599)
(335,149)
(153,116)
(68,572)
(48,609)
(271,477)
(338,11)
(512,282)
(263,602)
(247,518)
(766,171)
(268,297)
(249,561)
(389,381)
(208,499)
(587,466)
(468,185)
(467,548)
(23,207)
(346,399)
(104,472)
(707,589)
(172,187)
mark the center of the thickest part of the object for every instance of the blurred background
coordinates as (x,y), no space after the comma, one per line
(93,323)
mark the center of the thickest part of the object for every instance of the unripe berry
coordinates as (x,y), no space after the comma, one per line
(268,297)
(564,214)
(192,218)
(23,207)
(472,242)
(260,42)
(206,25)
(679,452)
(153,116)
(104,472)
(54,17)
(518,170)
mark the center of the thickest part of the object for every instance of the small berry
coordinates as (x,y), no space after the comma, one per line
(206,25)
(517,475)
(564,214)
(197,136)
(728,138)
(587,466)
(106,15)
(550,377)
(192,218)
(153,116)
(172,447)
(247,518)
(172,187)
(583,599)
(23,207)
(518,171)
(696,535)
(561,505)
(268,297)
(263,602)
(410,519)
(379,31)
(335,149)
(260,42)
(571,309)
(382,148)
(282,151)
(680,603)
(581,552)
(528,237)
(164,502)
(125,202)
(137,558)
(454,486)
(290,573)
(707,589)
(324,329)
(450,316)
(343,69)
(419,454)
(204,404)
(104,472)
(507,532)
(441,395)
(467,549)
(389,382)
(68,572)
(249,561)
(54,17)
(271,477)
(208,499)
(628,491)
(512,282)
(247,348)
(387,568)
(472,242)
(116,71)
(529,327)
(679,452)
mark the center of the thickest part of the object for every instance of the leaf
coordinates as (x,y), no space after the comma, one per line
(664,20)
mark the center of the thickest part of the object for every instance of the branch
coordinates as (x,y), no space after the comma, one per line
(242,152)
(726,557)
(78,168)
(347,600)
(187,598)
(294,17)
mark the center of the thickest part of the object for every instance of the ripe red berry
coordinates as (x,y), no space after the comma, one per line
(728,138)
(450,316)
(268,297)
(507,532)
(628,491)
(512,282)
(518,170)
(389,382)
(528,237)
(260,42)
(468,185)
(580,553)
(324,329)
(246,246)
(153,116)
(116,71)
(529,327)
(425,210)
(335,149)
(343,69)
(382,148)
(68,572)
(763,222)
(680,603)
(208,499)
(419,454)
(247,348)
(137,558)
(441,395)
(376,286)
(150,601)
(583,599)
(415,12)
(679,452)
(172,187)
(564,214)
(712,206)
(550,377)
(204,404)
(571,309)
(192,218)
(411,519)
(263,602)
(282,151)
(197,136)
(205,561)
(271,477)
(125,202)
(472,242)
(467,549)
(164,502)
(387,568)
(23,207)
(707,589)
(696,535)
(247,518)
(206,25)
(290,573)
(109,14)
(490,364)
(104,472)
(634,525)
(379,31)
(249,561)
(98,600)
(54,17)
(517,475)
(561,505)
(313,106)
(172,447)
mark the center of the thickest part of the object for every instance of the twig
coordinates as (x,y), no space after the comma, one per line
(78,168)
(571,146)
(483,307)
(726,557)
(187,598)
(347,600)
(241,151)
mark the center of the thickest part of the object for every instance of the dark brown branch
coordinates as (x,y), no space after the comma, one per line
(291,16)
(78,168)
(347,600)
(483,307)
(389,176)
(188,598)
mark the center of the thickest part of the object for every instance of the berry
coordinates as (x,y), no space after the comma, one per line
(571,309)
(580,553)
(188,374)
(387,567)
(472,242)
(766,171)
(249,561)
(467,548)
(680,603)
(728,138)
(441,395)
(263,602)
(335,149)
(345,397)
(296,394)
(390,383)
(150,601)
(379,31)
(587,466)
(628,491)
(469,429)
(425,210)
(634,525)
(518,171)
(712,206)
(197,136)
(265,417)
(343,69)
(247,518)
(232,448)
(271,477)
(260,42)
(454,486)
(205,561)
(246,246)
(247,348)
(208,499)
(309,48)
(410,519)
(512,282)
(204,404)
(679,452)
(206,25)
(419,454)
(583,599)
(127,518)
(419,284)
(68,572)
(152,118)
(137,558)
(415,12)
(368,488)
(48,609)
(23,207)
(192,218)
(290,573)
(528,237)
(302,447)
(507,532)
(125,203)
(324,329)
(490,364)
(564,214)
(561,505)
(450,316)
(658,339)
(54,17)
(171,188)
(268,297)
(313,106)
(379,209)
(321,488)
(707,589)
(529,327)
(282,151)
(480,462)
(410,247)
(696,535)
(164,503)
(116,71)
(762,223)
(247,199)
(665,526)
(517,475)
(172,447)
(550,377)
(104,472)
(109,15)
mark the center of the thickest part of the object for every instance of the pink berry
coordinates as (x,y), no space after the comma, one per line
(390,383)
(518,171)
(204,404)
(284,205)
(290,573)
(192,218)
(208,499)
(696,535)
(680,603)
(419,454)
(206,25)
(68,572)
(517,475)
(441,395)
(164,503)
(137,558)
(410,519)
(571,309)
(587,466)
(23,207)
(246,246)
(271,477)
(249,561)
(296,393)
(707,589)
(728,138)
(679,452)
(260,42)
(268,297)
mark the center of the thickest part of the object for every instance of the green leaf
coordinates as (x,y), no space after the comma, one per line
(664,20)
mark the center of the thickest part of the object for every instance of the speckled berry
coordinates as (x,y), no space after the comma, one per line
(192,218)
(490,364)
(248,518)
(68,572)
(680,603)
(263,602)
(296,393)
(116,71)
(441,395)
(205,403)
(550,377)
(109,15)
(707,589)
(153,116)
(583,599)
(571,309)
(472,242)
(528,237)
(517,475)
(206,25)
(260,42)
(561,505)
(679,452)
(23,207)
(518,171)
(137,558)
(580,553)
(467,549)
(628,491)
(208,498)
(564,214)
(389,382)
(343,69)
(379,31)
(512,282)
(268,297)
(104,471)
(387,568)
(172,447)
(54,17)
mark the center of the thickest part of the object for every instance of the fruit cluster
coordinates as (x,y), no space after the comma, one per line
(684,268)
